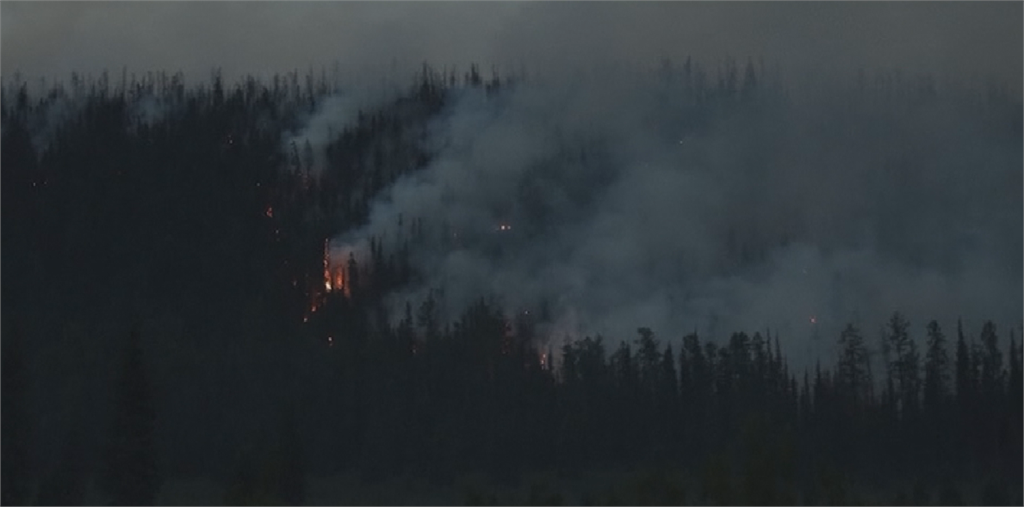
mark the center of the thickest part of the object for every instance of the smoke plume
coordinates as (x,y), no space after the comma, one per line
(617,200)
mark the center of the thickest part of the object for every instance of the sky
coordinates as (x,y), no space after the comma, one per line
(973,39)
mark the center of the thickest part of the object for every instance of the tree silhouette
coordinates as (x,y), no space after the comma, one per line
(992,363)
(853,366)
(936,380)
(902,363)
(964,379)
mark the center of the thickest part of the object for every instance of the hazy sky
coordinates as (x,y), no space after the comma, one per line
(53,38)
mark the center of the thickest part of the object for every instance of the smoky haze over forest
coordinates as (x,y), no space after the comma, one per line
(623,205)
(499,173)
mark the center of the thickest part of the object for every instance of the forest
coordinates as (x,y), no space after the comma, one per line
(177,306)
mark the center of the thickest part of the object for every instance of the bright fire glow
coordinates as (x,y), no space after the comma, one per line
(334,272)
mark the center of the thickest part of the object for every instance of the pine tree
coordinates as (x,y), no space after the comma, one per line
(1015,387)
(669,379)
(625,367)
(964,381)
(992,364)
(853,366)
(903,363)
(936,379)
(648,357)
(1015,410)
(405,333)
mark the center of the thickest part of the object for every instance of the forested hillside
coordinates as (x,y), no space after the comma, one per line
(271,280)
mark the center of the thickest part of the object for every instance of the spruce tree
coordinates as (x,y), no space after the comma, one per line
(936,377)
(853,366)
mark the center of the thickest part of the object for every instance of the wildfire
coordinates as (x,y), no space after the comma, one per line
(339,281)
(334,276)
(334,280)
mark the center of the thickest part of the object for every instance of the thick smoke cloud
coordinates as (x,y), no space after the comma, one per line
(619,202)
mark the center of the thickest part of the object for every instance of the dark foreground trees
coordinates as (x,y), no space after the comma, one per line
(130,469)
(15,487)
(201,213)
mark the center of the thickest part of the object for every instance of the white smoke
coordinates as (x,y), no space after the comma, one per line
(332,115)
(627,201)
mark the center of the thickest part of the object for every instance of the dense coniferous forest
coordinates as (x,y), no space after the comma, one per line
(171,312)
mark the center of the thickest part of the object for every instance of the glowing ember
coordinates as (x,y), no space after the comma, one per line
(339,281)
